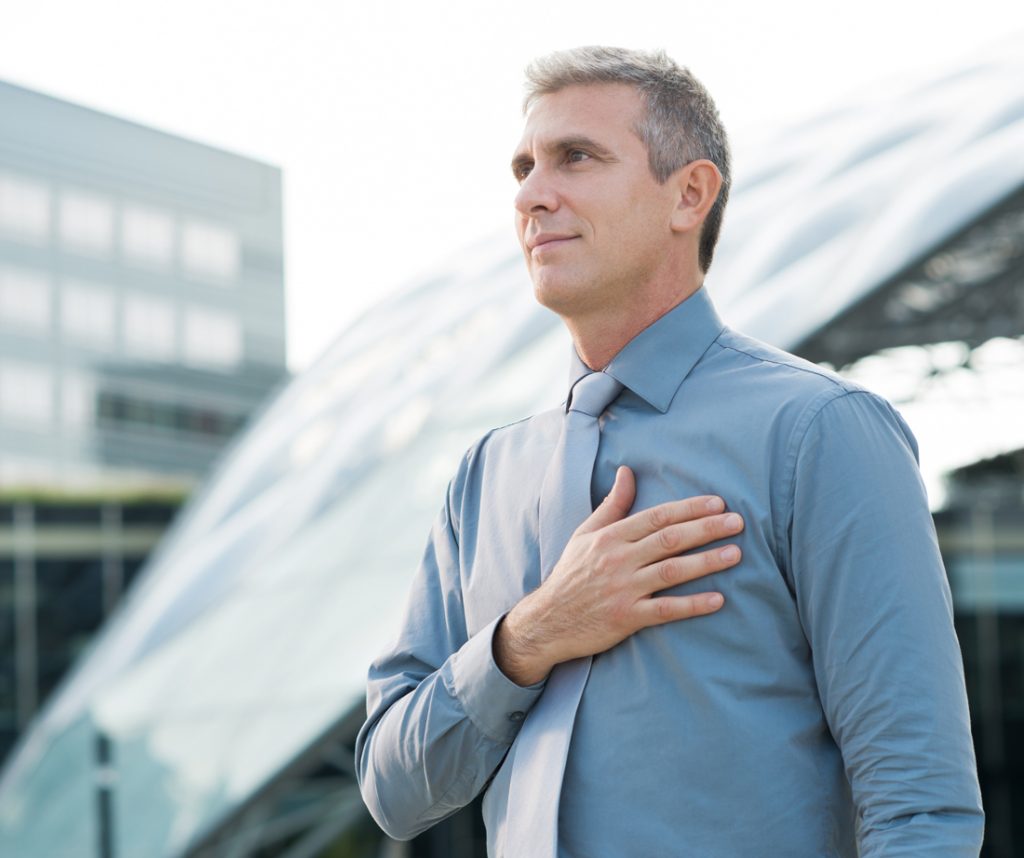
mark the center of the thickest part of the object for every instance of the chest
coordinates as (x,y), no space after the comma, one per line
(672,458)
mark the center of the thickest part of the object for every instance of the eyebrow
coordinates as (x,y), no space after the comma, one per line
(563,144)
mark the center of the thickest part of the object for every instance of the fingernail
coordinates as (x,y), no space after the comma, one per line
(733,521)
(715,504)
(715,600)
(729,553)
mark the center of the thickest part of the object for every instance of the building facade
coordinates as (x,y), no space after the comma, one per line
(141,296)
(141,323)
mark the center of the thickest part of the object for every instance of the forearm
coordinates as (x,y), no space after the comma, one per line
(427,750)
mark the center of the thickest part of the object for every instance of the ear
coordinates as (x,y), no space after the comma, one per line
(698,184)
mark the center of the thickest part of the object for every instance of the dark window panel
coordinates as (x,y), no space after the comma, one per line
(61,514)
(8,677)
(148,514)
(69,609)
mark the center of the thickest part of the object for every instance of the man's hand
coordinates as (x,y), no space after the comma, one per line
(601,590)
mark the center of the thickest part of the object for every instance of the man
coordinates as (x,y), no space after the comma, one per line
(819,709)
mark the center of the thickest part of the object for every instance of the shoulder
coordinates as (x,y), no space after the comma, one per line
(773,364)
(513,436)
(814,398)
(499,453)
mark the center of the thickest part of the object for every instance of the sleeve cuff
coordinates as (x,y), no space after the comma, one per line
(492,701)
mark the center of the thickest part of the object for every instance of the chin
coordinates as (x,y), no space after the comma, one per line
(564,296)
(553,294)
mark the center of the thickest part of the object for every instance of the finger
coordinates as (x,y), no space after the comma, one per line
(678,570)
(677,538)
(667,609)
(616,505)
(649,521)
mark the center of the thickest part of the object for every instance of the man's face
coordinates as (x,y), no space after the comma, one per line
(593,222)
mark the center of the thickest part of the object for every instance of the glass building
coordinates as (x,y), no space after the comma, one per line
(215,714)
(141,322)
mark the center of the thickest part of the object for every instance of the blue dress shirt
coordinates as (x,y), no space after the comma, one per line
(821,711)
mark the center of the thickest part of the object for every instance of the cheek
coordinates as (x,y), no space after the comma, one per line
(649,222)
(520,226)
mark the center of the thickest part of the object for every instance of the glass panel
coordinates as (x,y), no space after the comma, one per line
(78,400)
(86,222)
(87,313)
(147,236)
(69,606)
(987,584)
(24,209)
(210,252)
(26,393)
(62,514)
(25,298)
(147,513)
(148,327)
(212,339)
(8,674)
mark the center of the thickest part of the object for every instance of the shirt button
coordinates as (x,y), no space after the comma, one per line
(516,716)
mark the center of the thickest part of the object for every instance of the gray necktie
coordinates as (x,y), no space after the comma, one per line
(543,742)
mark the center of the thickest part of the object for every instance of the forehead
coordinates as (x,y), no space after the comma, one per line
(607,112)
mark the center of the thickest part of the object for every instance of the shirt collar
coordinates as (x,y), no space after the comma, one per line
(654,363)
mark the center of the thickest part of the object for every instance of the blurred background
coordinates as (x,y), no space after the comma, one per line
(259,290)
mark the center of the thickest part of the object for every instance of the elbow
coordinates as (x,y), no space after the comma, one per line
(390,818)
(953,830)
(393,825)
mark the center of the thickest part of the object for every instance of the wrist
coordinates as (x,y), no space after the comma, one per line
(518,650)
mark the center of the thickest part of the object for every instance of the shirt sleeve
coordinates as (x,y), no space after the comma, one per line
(441,715)
(875,604)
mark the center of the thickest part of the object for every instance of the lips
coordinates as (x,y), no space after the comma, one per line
(548,238)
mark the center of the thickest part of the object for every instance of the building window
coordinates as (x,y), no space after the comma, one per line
(87,314)
(212,339)
(129,412)
(25,298)
(77,399)
(26,393)
(86,222)
(147,236)
(210,252)
(147,328)
(24,209)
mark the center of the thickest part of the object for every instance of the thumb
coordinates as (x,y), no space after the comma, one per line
(616,505)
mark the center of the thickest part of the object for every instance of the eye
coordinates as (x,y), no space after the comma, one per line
(521,171)
(575,156)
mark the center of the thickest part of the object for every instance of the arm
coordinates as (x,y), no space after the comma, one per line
(440,715)
(441,712)
(875,605)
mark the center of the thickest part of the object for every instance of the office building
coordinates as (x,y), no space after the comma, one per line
(141,322)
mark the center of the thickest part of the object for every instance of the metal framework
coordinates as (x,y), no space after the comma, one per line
(969,290)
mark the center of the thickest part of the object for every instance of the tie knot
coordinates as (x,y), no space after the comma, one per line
(593,393)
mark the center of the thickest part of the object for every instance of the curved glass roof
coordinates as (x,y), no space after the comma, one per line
(250,631)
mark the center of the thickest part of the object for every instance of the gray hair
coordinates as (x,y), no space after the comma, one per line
(681,123)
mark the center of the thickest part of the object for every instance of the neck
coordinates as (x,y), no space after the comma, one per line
(598,338)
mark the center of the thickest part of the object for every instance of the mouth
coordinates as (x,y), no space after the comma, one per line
(547,241)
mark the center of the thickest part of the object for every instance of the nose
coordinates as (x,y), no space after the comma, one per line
(537,193)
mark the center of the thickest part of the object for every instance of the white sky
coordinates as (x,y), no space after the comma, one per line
(394,121)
